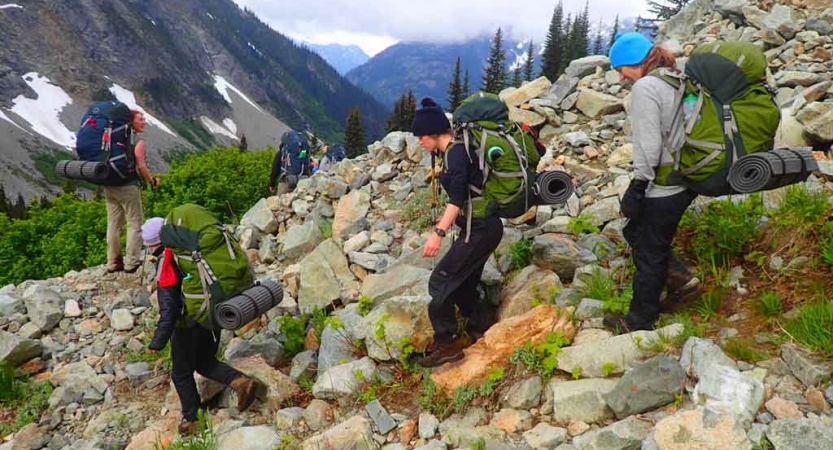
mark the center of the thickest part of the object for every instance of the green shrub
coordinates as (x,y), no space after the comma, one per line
(27,399)
(723,230)
(769,305)
(542,358)
(601,286)
(204,439)
(581,225)
(521,254)
(294,331)
(709,305)
(801,208)
(417,210)
(741,349)
(813,326)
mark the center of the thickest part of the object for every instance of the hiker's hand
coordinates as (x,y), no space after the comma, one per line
(272,189)
(152,351)
(633,199)
(432,247)
(155,182)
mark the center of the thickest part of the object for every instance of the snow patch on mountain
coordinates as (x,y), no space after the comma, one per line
(223,87)
(125,96)
(216,128)
(230,125)
(10,5)
(42,113)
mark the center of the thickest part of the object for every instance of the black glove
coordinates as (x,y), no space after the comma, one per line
(632,200)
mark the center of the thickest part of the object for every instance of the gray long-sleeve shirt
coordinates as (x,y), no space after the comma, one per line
(653,105)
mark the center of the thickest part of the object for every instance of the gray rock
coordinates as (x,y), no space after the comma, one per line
(562,88)
(318,415)
(792,78)
(303,364)
(427,425)
(300,240)
(17,350)
(602,211)
(433,445)
(369,261)
(560,254)
(596,104)
(585,66)
(351,214)
(728,391)
(336,188)
(623,435)
(249,238)
(576,139)
(570,117)
(262,437)
(581,400)
(525,394)
(544,435)
(44,306)
(384,172)
(260,216)
(357,242)
(569,101)
(828,394)
(730,7)
(801,434)
(138,373)
(74,380)
(821,23)
(683,24)
(121,320)
(270,349)
(72,309)
(379,415)
(559,224)
(601,246)
(700,429)
(267,251)
(288,418)
(803,365)
(757,434)
(405,280)
(700,355)
(353,434)
(338,344)
(404,319)
(646,386)
(786,20)
(527,92)
(10,305)
(589,308)
(30,331)
(324,275)
(343,380)
(459,431)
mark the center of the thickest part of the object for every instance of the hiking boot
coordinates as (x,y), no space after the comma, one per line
(621,325)
(187,428)
(439,354)
(689,292)
(245,388)
(132,269)
(117,266)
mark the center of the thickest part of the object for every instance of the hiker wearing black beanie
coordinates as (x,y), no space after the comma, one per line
(455,279)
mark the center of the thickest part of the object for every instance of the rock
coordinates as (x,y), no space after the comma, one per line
(338,343)
(622,350)
(405,280)
(562,88)
(304,364)
(559,225)
(792,78)
(786,20)
(730,7)
(357,242)
(352,434)
(29,331)
(581,400)
(343,380)
(74,381)
(570,117)
(601,246)
(71,309)
(318,415)
(460,431)
(10,305)
(530,287)
(528,117)
(433,445)
(596,104)
(404,320)
(499,343)
(30,437)
(269,348)
(728,391)
(44,306)
(801,434)
(260,216)
(683,24)
(582,67)
(783,409)
(384,172)
(289,418)
(350,214)
(16,350)
(261,437)
(324,276)
(623,435)
(804,366)
(274,387)
(395,141)
(267,251)
(622,156)
(560,254)
(384,422)
(527,92)
(138,373)
(206,388)
(700,355)
(588,335)
(121,320)
(589,308)
(646,386)
(512,421)
(697,429)
(576,139)
(602,212)
(427,425)
(544,435)
(300,240)
(820,128)
(525,394)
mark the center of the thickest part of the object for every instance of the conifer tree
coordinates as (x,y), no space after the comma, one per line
(455,88)
(4,202)
(244,144)
(613,32)
(582,31)
(553,45)
(354,136)
(18,211)
(494,77)
(530,61)
(598,46)
(516,78)
(466,91)
(394,122)
(408,111)
(665,9)
(566,45)
(44,202)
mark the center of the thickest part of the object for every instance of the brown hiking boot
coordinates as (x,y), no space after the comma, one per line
(687,293)
(439,354)
(245,388)
(187,428)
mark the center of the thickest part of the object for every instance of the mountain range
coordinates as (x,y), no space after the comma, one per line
(343,58)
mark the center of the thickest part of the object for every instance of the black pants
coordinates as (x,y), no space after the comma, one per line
(194,349)
(651,239)
(455,279)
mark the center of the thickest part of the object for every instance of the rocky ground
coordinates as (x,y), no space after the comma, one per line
(347,247)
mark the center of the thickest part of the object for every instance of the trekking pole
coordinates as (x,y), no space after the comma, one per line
(433,200)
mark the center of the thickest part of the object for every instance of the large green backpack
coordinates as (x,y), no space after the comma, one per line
(733,113)
(506,153)
(213,265)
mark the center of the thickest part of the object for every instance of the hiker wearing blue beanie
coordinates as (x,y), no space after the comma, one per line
(653,206)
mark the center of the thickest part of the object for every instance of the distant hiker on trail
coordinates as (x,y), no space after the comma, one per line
(332,155)
(653,208)
(292,162)
(193,346)
(124,202)
(455,278)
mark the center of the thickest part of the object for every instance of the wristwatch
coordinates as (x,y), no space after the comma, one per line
(439,232)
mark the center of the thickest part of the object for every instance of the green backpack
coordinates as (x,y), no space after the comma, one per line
(730,112)
(506,153)
(213,265)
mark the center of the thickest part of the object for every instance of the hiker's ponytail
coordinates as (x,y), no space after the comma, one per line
(657,58)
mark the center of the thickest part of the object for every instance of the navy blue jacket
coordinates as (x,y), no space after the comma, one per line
(459,171)
(170,308)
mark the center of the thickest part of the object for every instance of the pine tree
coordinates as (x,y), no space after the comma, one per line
(516,78)
(530,61)
(648,26)
(70,186)
(455,88)
(44,203)
(598,46)
(244,144)
(613,32)
(394,122)
(354,136)
(4,202)
(566,45)
(553,45)
(665,9)
(466,91)
(494,77)
(582,26)
(408,111)
(18,211)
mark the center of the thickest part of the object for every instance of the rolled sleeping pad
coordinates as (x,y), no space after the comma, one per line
(768,170)
(553,187)
(248,305)
(92,171)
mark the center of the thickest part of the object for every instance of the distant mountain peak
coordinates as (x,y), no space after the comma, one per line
(343,58)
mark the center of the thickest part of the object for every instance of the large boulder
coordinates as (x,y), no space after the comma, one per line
(500,342)
(352,434)
(602,212)
(562,88)
(274,387)
(300,240)
(338,340)
(10,305)
(801,434)
(343,380)
(405,280)
(683,24)
(261,437)
(623,435)
(581,400)
(804,365)
(396,322)
(560,254)
(786,20)
(728,391)
(646,386)
(581,67)
(532,286)
(44,306)
(351,214)
(526,116)
(699,355)
(697,429)
(596,104)
(325,275)
(260,216)
(16,350)
(817,119)
(527,92)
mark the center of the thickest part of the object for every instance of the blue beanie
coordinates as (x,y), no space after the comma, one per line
(629,49)
(430,119)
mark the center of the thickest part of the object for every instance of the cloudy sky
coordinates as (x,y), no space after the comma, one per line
(374,25)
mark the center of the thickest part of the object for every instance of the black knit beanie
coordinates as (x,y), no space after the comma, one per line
(430,119)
